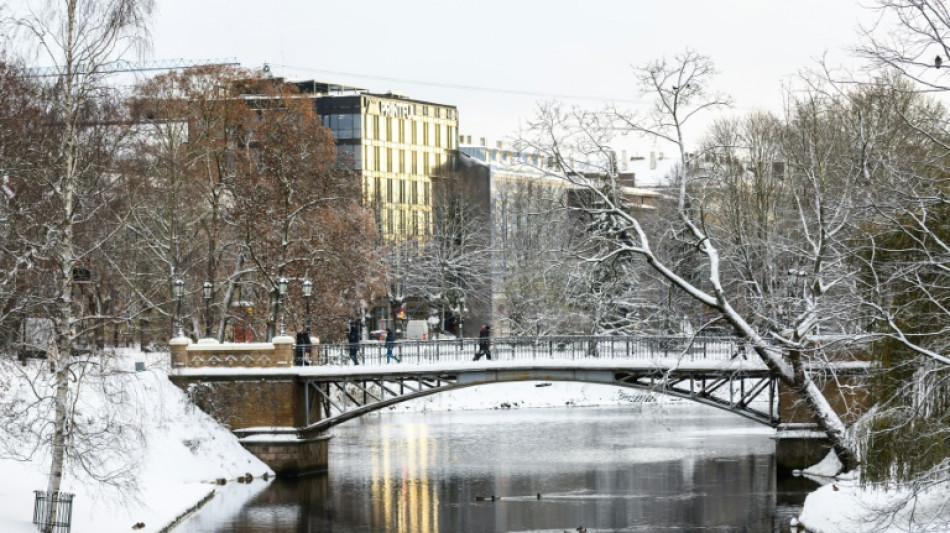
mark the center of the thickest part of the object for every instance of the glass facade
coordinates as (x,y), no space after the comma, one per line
(398,145)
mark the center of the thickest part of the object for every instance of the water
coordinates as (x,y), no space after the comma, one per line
(649,468)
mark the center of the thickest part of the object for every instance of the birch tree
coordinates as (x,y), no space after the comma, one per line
(79,38)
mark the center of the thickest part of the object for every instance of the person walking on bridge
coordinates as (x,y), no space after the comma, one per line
(390,344)
(354,339)
(484,343)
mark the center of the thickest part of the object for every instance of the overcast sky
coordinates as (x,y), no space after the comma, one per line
(535,49)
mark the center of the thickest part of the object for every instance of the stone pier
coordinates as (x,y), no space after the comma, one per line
(263,413)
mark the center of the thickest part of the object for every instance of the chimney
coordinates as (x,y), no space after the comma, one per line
(652,160)
(499,145)
(469,140)
(481,141)
(623,160)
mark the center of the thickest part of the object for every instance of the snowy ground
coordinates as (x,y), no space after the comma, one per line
(184,453)
(844,507)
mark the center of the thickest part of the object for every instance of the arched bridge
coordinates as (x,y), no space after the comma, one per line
(267,405)
(715,371)
(743,387)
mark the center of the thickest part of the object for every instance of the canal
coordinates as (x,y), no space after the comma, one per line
(649,467)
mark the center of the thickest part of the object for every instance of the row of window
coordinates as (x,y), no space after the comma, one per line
(392,191)
(410,162)
(404,222)
(392,130)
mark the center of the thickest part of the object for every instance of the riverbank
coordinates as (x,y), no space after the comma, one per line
(176,456)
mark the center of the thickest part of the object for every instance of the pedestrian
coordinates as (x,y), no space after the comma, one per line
(354,338)
(484,343)
(302,349)
(390,344)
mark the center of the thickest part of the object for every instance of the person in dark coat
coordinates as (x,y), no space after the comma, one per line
(390,344)
(484,343)
(302,348)
(354,338)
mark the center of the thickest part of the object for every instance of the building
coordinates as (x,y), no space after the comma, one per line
(516,187)
(398,144)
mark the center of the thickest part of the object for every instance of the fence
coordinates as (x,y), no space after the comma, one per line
(531,348)
(53,514)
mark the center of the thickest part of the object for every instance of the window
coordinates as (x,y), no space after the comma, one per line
(389,191)
(425,134)
(389,160)
(414,187)
(415,130)
(402,161)
(376,162)
(414,158)
(438,135)
(402,130)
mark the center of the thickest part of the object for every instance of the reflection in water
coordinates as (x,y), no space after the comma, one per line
(680,468)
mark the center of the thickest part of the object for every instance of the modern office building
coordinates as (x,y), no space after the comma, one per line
(398,144)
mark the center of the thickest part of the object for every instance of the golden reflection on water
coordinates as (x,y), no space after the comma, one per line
(413,506)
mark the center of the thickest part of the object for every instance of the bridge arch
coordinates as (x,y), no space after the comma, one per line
(332,400)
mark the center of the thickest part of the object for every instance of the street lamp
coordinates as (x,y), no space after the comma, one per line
(281,291)
(206,293)
(307,291)
(178,287)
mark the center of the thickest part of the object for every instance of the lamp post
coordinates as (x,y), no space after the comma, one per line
(179,290)
(281,291)
(307,291)
(206,293)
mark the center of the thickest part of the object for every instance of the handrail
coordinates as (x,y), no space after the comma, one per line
(570,347)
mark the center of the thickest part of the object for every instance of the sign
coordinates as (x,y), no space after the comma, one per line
(395,109)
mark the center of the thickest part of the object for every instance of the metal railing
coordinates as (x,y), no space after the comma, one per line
(534,348)
(52,513)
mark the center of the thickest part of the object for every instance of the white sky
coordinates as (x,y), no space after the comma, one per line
(563,47)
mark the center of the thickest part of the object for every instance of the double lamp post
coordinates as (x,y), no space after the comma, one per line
(178,288)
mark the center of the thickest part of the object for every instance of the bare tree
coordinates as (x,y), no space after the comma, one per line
(696,265)
(79,37)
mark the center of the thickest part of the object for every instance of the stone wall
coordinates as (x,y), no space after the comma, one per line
(291,457)
(210,353)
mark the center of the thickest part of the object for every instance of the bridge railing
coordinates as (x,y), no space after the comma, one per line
(533,348)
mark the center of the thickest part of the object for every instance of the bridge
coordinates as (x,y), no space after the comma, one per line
(276,401)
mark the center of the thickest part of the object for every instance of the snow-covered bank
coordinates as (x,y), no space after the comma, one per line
(181,454)
(844,507)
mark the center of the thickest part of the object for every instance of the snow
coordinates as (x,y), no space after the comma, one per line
(828,467)
(184,453)
(845,507)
